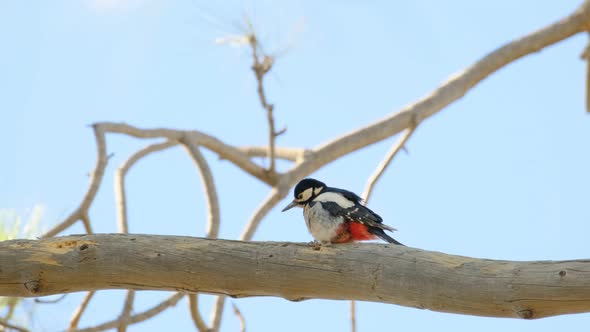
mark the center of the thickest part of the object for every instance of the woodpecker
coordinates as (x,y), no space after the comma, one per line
(335,215)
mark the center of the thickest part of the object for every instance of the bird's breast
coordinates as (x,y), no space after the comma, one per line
(321,224)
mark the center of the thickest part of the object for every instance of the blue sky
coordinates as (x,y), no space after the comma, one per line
(502,173)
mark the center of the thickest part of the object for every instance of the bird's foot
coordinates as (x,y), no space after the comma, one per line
(315,245)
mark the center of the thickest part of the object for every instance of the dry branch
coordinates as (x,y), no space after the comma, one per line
(385,163)
(80,310)
(241,318)
(224,151)
(193,304)
(96,176)
(451,90)
(6,326)
(367,272)
(213,216)
(121,173)
(137,318)
(291,154)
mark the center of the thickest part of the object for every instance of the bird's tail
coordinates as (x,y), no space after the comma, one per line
(381,234)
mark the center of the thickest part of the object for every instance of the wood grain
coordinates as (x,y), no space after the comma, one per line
(366,272)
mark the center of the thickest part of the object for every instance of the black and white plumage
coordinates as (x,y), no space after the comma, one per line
(334,215)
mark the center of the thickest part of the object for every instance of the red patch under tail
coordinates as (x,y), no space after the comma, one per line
(360,232)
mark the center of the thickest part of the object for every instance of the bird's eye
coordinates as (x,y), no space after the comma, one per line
(299,196)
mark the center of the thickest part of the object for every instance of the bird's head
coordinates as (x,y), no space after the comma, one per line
(305,191)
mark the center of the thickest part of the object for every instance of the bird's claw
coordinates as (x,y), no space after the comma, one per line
(315,245)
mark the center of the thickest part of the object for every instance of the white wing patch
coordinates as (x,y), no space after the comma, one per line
(334,197)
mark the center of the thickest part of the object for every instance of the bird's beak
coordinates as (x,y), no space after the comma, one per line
(290,206)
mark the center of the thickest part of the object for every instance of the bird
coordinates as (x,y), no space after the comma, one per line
(334,215)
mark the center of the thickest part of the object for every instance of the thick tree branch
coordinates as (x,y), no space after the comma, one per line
(451,90)
(367,272)
(212,228)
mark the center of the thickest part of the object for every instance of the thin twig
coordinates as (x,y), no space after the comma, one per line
(126,312)
(95,181)
(353,316)
(193,304)
(81,308)
(12,303)
(275,197)
(121,173)
(586,56)
(56,300)
(86,222)
(238,313)
(140,317)
(261,68)
(385,162)
(6,325)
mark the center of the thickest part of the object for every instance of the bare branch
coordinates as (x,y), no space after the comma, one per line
(124,318)
(364,272)
(209,188)
(261,68)
(586,57)
(385,163)
(81,308)
(451,90)
(6,325)
(86,222)
(223,150)
(95,181)
(353,316)
(52,301)
(292,154)
(140,317)
(213,218)
(123,225)
(121,172)
(193,303)
(238,313)
(276,195)
(217,313)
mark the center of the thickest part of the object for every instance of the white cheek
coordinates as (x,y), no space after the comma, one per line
(306,194)
(334,197)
